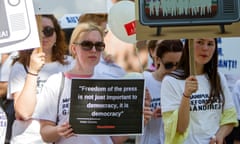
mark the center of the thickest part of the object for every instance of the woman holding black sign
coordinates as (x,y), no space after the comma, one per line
(86,45)
(197,108)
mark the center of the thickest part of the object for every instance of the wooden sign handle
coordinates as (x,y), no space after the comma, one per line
(191,57)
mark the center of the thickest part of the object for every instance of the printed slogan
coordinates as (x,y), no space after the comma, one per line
(199,102)
(107,107)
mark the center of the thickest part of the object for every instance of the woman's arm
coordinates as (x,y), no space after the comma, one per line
(191,86)
(222,132)
(25,101)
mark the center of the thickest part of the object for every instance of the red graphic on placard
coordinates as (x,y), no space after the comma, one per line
(130,28)
(106,126)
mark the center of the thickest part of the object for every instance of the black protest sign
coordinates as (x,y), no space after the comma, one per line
(107,107)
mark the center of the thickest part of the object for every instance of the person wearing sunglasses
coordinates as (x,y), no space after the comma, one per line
(106,66)
(29,73)
(86,45)
(197,107)
(167,55)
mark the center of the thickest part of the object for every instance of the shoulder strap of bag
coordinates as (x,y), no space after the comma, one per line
(25,68)
(59,95)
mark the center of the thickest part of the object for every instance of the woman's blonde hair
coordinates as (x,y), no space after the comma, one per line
(83,27)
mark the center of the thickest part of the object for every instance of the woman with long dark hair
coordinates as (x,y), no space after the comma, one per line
(197,109)
(28,75)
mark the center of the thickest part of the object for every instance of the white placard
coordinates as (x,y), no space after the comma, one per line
(228,55)
(18,28)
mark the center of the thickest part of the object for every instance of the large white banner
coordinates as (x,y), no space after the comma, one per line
(18,29)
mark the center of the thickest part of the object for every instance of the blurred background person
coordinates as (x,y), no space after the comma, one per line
(7,104)
(167,56)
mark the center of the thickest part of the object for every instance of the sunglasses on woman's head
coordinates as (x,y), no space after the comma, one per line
(88,45)
(48,31)
(169,65)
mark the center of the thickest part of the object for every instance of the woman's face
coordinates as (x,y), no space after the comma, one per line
(49,35)
(87,59)
(169,61)
(204,50)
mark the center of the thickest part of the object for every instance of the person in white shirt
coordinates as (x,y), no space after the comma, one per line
(86,45)
(28,75)
(168,54)
(6,103)
(197,108)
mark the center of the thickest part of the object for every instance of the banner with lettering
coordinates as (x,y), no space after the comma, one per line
(228,55)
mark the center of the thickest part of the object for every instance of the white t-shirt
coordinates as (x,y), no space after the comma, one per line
(154,130)
(47,110)
(204,120)
(18,75)
(6,67)
(109,69)
(29,131)
(236,97)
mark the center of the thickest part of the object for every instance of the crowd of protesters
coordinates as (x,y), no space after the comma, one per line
(179,107)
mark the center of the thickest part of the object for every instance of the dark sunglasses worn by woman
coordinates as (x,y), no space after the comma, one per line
(48,31)
(88,45)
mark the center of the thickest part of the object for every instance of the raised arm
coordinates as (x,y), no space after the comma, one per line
(25,100)
(191,86)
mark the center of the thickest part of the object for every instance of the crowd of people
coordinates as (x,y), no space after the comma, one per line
(179,107)
(30,69)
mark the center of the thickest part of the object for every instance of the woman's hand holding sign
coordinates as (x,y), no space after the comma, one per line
(147,109)
(65,130)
